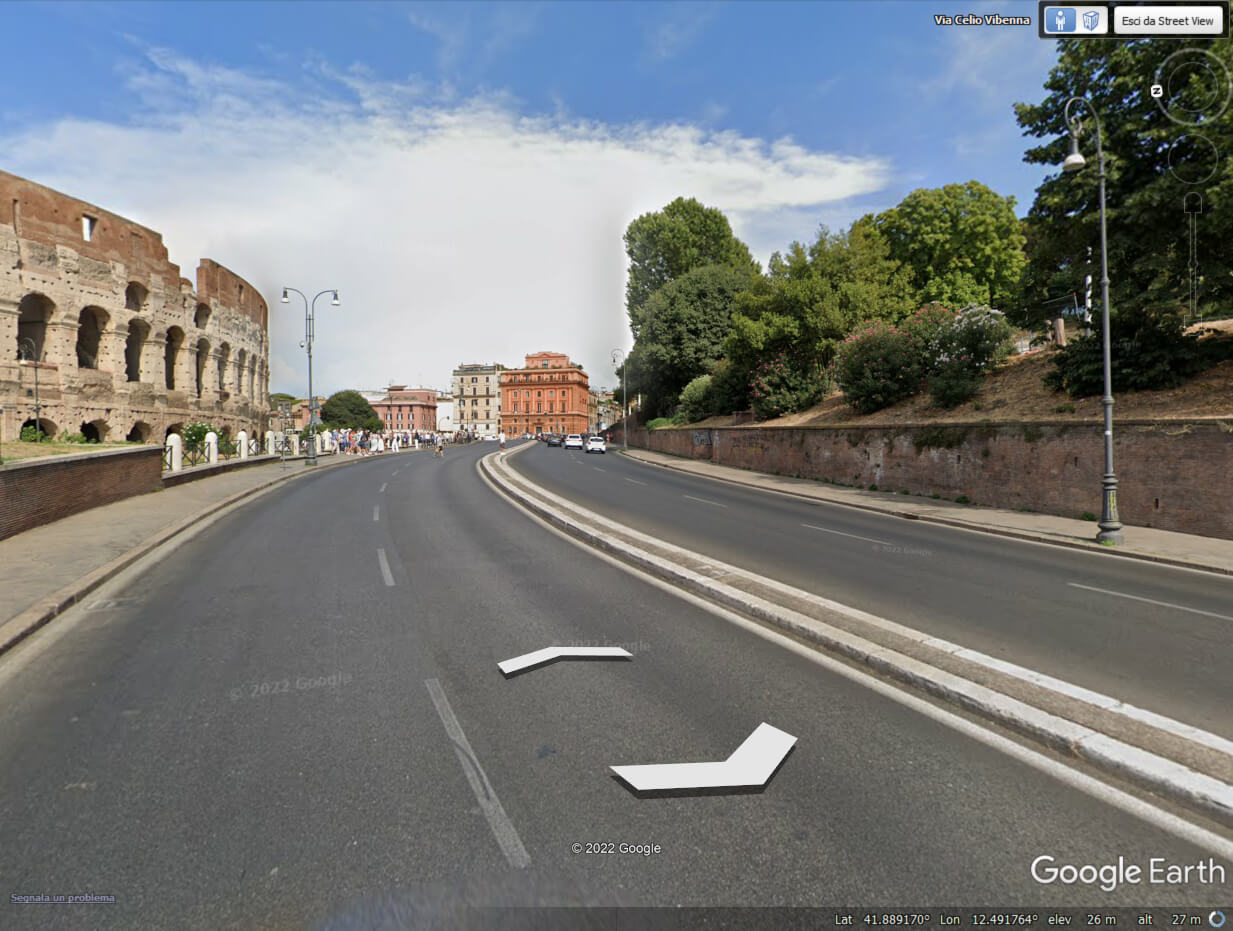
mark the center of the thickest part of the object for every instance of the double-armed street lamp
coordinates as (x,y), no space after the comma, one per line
(1110,526)
(307,343)
(618,360)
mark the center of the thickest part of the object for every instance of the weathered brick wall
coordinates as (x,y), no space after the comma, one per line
(1171,475)
(37,493)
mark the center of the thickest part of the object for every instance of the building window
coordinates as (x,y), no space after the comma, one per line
(539,408)
(87,227)
(539,394)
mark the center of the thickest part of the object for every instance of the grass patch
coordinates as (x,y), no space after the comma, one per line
(1087,515)
(963,499)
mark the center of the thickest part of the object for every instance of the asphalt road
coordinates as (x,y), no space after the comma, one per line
(295,719)
(1074,615)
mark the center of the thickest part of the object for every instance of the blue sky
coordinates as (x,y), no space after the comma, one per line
(463,171)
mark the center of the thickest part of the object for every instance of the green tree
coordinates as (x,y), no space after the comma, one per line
(665,244)
(278,397)
(811,298)
(962,243)
(1149,159)
(684,326)
(696,399)
(347,410)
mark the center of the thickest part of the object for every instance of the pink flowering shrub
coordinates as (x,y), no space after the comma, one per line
(786,382)
(878,365)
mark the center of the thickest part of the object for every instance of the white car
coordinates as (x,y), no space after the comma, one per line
(573,441)
(596,444)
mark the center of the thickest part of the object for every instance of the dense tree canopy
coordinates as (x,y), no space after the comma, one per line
(1153,162)
(665,244)
(961,243)
(348,410)
(809,299)
(683,330)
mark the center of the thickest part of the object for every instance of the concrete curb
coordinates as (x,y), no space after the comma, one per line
(17,628)
(945,521)
(1203,793)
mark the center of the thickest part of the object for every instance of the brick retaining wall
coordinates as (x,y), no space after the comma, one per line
(37,493)
(1174,475)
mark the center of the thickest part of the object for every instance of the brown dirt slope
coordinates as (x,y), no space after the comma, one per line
(1016,393)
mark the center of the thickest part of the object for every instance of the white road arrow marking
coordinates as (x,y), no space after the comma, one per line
(751,765)
(548,654)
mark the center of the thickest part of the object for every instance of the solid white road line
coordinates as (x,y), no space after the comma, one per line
(1151,601)
(598,469)
(375,518)
(485,794)
(1074,778)
(383,484)
(634,480)
(385,567)
(842,534)
(704,501)
(1089,785)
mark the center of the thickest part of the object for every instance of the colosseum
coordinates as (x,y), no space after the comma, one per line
(123,347)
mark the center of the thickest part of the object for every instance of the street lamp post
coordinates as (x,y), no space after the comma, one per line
(618,359)
(1110,526)
(32,355)
(309,325)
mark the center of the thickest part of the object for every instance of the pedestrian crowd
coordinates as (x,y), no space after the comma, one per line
(371,442)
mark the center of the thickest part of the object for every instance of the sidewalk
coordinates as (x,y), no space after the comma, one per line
(1162,546)
(45,570)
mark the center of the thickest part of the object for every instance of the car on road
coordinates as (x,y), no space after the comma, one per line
(596,444)
(573,441)
(554,439)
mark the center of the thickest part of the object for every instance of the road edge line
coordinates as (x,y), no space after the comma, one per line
(1206,794)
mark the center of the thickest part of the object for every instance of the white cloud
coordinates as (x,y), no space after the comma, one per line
(678,29)
(455,230)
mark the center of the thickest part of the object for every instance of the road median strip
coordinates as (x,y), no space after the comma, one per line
(1178,761)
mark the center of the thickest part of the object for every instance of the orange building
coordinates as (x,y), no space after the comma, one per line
(412,409)
(548,396)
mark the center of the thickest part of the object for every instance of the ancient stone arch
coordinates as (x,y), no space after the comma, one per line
(135,297)
(34,313)
(241,360)
(91,324)
(49,427)
(171,355)
(140,433)
(203,359)
(201,318)
(134,348)
(224,357)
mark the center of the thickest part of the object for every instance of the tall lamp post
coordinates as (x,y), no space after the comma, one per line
(1110,526)
(309,308)
(618,359)
(31,355)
